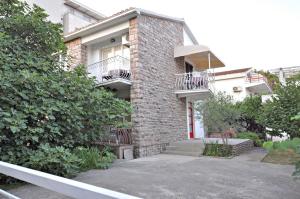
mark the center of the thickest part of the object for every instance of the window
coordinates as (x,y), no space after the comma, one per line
(119,50)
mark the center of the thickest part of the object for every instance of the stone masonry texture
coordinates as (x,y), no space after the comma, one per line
(77,53)
(159,116)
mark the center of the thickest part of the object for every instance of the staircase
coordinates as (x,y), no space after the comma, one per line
(186,147)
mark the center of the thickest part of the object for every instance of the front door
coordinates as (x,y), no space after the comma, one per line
(198,122)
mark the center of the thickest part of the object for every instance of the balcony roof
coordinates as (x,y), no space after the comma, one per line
(89,11)
(200,55)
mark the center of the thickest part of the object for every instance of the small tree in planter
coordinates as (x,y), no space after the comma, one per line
(219,113)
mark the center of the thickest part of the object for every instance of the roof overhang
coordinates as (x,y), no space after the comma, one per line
(78,6)
(125,16)
(200,55)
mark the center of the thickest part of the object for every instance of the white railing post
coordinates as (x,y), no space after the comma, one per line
(61,185)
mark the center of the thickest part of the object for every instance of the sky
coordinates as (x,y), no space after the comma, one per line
(263,34)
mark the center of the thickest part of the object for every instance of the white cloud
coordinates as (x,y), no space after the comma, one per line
(256,33)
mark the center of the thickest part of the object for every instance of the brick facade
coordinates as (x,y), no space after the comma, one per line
(159,116)
(77,53)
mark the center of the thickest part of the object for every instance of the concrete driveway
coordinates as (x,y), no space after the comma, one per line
(171,176)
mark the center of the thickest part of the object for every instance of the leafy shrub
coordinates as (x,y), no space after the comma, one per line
(250,109)
(293,144)
(251,136)
(278,114)
(54,160)
(268,145)
(41,103)
(93,158)
(218,150)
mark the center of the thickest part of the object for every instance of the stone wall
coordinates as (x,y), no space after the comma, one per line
(77,53)
(242,147)
(159,117)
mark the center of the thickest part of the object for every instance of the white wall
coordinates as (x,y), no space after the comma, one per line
(94,50)
(56,9)
(187,41)
(226,85)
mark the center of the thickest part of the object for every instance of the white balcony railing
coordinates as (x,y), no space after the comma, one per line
(193,81)
(110,69)
(58,184)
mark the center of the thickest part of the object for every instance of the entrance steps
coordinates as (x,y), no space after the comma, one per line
(186,147)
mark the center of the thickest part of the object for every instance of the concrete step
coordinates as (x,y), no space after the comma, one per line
(185,153)
(186,147)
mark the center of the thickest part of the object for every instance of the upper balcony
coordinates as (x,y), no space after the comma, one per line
(194,85)
(257,83)
(113,72)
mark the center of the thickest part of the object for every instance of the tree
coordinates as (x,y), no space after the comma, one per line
(219,113)
(272,79)
(251,108)
(41,103)
(278,112)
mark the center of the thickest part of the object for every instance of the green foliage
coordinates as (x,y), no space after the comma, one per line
(92,158)
(41,103)
(55,160)
(251,108)
(219,113)
(252,136)
(277,113)
(272,79)
(268,145)
(296,173)
(217,150)
(293,144)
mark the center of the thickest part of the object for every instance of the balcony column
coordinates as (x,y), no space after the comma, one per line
(209,61)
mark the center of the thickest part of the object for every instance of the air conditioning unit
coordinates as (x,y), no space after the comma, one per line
(237,89)
(125,40)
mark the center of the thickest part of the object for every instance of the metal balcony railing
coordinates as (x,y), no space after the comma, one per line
(255,78)
(193,81)
(110,69)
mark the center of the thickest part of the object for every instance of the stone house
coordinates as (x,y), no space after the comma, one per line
(153,61)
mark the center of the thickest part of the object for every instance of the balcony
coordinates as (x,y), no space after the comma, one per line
(194,85)
(257,83)
(113,72)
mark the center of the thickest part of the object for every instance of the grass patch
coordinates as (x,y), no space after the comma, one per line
(284,157)
(284,152)
(217,150)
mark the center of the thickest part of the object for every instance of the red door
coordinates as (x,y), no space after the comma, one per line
(191,120)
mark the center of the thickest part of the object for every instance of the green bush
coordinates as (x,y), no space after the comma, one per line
(54,160)
(217,150)
(293,144)
(93,158)
(268,145)
(41,103)
(251,136)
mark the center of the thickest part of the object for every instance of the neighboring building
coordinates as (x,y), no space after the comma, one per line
(285,73)
(240,83)
(153,61)
(72,14)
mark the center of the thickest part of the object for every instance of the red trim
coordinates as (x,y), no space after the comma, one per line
(191,120)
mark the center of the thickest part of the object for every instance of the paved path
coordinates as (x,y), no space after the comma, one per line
(171,176)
